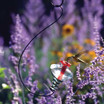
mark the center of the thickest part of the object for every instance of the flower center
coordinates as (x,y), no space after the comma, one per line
(68,30)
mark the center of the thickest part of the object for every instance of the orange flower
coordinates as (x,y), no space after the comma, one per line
(67,30)
(89,41)
(92,54)
(78,47)
(69,54)
(58,53)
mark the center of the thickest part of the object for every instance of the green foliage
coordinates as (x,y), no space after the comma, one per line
(5,86)
(2,72)
(38,49)
(1,103)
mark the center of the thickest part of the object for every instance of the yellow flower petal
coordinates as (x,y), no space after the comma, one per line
(89,41)
(69,54)
(92,54)
(67,30)
(59,54)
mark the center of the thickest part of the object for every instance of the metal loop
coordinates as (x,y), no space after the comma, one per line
(58,5)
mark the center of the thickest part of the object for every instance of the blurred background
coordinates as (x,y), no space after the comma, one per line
(7,8)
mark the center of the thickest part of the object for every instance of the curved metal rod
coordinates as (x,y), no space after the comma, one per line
(19,73)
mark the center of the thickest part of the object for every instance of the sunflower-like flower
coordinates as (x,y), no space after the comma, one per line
(60,54)
(69,54)
(90,56)
(67,30)
(75,48)
(57,53)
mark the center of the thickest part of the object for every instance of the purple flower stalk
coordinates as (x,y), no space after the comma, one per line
(12,81)
(90,11)
(19,39)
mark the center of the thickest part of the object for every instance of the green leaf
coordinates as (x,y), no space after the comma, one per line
(73,67)
(2,72)
(1,102)
(2,69)
(5,86)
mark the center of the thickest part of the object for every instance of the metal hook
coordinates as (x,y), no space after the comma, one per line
(58,5)
(19,72)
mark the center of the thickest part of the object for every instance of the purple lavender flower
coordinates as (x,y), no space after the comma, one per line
(95,71)
(90,11)
(78,73)
(12,81)
(50,100)
(19,40)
